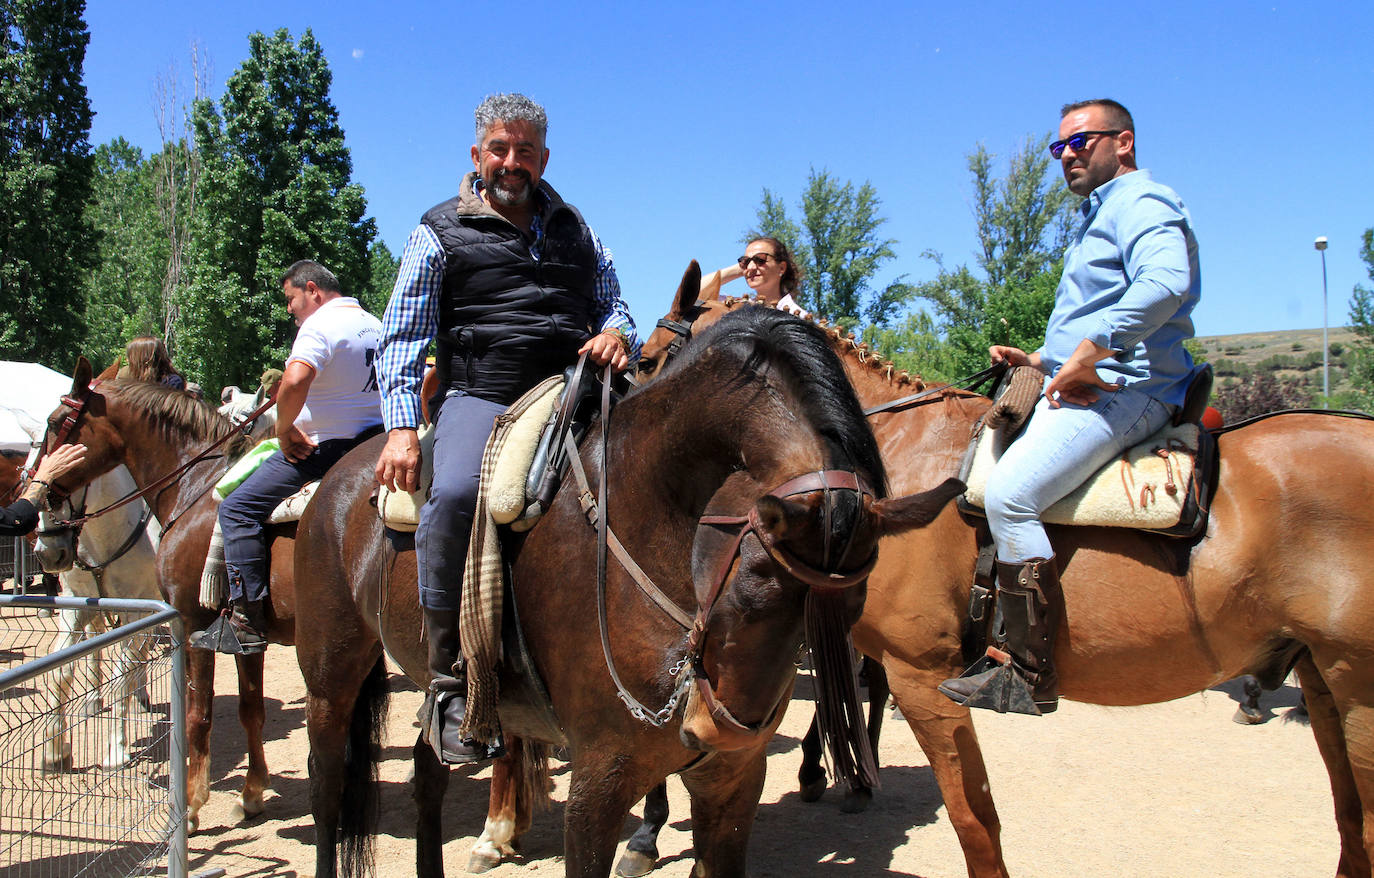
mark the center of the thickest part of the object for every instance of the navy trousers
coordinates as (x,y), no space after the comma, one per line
(461,429)
(243,514)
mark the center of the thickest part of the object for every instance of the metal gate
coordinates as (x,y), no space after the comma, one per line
(92,738)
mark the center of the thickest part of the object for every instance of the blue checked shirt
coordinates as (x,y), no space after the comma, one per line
(412,317)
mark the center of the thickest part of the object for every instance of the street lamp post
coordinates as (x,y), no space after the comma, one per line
(1320,244)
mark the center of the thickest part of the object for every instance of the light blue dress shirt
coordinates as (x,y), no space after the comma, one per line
(1130,283)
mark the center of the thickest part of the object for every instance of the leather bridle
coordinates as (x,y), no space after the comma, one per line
(830,577)
(76,406)
(78,521)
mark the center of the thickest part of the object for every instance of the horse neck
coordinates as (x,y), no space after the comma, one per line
(150,454)
(107,533)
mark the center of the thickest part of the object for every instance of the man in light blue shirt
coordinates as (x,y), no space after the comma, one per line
(1118,370)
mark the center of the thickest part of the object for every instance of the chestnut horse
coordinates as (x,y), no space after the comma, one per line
(152,430)
(726,431)
(1280,579)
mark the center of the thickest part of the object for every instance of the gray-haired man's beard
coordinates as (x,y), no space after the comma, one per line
(511,189)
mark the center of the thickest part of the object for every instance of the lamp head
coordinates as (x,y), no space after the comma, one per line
(1320,243)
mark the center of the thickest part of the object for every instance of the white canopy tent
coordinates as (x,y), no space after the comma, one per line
(28,394)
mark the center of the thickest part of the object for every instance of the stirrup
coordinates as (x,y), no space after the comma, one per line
(999,686)
(222,635)
(441,732)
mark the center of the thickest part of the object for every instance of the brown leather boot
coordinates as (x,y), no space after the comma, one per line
(1022,679)
(446,703)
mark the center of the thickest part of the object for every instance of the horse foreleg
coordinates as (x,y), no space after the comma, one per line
(431,782)
(57,746)
(599,797)
(725,797)
(199,715)
(858,797)
(252,716)
(92,624)
(1353,823)
(811,776)
(641,851)
(130,658)
(502,829)
(946,735)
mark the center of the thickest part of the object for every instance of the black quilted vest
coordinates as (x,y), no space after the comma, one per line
(506,322)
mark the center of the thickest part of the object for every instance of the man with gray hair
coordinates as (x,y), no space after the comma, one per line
(512,285)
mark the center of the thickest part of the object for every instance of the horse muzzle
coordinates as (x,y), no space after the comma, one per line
(707,726)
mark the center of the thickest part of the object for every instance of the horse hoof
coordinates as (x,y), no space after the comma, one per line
(483,859)
(635,864)
(58,766)
(1248,716)
(116,763)
(856,801)
(192,823)
(245,811)
(812,792)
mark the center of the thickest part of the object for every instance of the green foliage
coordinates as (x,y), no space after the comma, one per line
(46,241)
(384,267)
(1023,220)
(1195,349)
(123,292)
(838,249)
(274,188)
(1360,358)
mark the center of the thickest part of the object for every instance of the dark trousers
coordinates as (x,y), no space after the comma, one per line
(243,514)
(461,429)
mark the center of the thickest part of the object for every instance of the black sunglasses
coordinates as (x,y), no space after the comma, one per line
(1078,141)
(759,259)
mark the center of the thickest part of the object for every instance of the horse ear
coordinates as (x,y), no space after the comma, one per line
(778,516)
(899,514)
(81,378)
(688,291)
(111,371)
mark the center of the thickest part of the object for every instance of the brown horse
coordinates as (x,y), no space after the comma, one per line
(1282,577)
(726,431)
(153,430)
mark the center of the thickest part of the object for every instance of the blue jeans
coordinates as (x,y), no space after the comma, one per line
(243,514)
(1058,451)
(461,429)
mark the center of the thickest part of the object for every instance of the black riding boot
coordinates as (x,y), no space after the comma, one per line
(446,703)
(240,630)
(1022,679)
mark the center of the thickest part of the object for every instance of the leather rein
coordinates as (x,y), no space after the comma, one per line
(76,406)
(594,508)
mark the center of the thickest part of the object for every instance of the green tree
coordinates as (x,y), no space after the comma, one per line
(123,293)
(1023,221)
(1361,355)
(46,241)
(838,248)
(384,268)
(275,186)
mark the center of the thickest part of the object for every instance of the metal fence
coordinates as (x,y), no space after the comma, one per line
(17,563)
(92,738)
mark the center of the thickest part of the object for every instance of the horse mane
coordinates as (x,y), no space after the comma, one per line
(766,336)
(845,344)
(178,416)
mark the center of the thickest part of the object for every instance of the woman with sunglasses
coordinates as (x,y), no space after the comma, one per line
(768,269)
(21,517)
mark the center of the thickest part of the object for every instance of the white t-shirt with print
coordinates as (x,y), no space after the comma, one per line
(339,341)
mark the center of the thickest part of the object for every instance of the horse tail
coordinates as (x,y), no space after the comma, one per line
(839,712)
(361,797)
(533,782)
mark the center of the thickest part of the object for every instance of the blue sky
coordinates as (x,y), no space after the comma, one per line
(667,121)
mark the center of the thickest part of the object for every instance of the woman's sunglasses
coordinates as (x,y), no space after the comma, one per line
(759,259)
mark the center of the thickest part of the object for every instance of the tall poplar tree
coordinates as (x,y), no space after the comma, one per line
(275,186)
(46,241)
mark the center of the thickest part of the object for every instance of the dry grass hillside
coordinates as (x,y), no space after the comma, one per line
(1289,353)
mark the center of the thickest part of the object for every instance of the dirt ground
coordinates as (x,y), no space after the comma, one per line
(1168,790)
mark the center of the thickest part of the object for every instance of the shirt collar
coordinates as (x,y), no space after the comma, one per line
(1101,193)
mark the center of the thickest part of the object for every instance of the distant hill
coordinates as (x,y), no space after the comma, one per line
(1286,353)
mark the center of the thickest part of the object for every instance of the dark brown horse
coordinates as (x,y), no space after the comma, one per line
(1282,577)
(753,406)
(153,430)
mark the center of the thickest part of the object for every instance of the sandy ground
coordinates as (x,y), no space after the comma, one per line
(1169,790)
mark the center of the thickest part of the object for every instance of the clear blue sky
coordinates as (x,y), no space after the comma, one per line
(667,121)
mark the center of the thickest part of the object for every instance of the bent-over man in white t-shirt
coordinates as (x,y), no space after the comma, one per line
(328,402)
